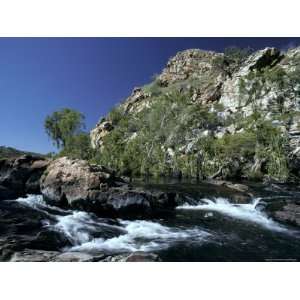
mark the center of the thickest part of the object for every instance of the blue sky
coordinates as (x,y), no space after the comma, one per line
(41,75)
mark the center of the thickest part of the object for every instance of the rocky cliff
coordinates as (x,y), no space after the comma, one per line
(233,115)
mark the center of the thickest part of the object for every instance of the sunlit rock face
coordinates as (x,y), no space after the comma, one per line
(75,183)
(98,133)
(192,63)
(231,96)
(264,82)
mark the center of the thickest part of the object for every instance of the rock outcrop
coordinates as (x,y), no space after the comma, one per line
(77,184)
(137,101)
(20,176)
(101,130)
(189,64)
(231,96)
(186,119)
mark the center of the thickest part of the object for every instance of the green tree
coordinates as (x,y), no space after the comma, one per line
(62,125)
(78,146)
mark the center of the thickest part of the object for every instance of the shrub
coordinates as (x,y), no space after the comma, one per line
(115,115)
(236,145)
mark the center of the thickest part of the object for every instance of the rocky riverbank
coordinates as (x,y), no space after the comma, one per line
(76,184)
(79,185)
(84,212)
(209,225)
(21,175)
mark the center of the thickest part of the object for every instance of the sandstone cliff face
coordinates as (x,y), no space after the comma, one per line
(231,97)
(98,133)
(201,98)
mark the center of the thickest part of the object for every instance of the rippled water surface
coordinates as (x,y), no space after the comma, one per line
(213,228)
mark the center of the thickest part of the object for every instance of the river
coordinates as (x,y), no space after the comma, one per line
(213,228)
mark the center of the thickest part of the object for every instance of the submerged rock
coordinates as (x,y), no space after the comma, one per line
(289,213)
(238,192)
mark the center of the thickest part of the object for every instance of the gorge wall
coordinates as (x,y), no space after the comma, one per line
(210,114)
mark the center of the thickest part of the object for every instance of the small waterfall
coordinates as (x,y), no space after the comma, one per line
(247,212)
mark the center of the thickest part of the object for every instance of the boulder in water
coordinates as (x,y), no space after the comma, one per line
(80,185)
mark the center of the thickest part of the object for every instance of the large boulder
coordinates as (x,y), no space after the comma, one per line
(66,181)
(290,214)
(20,176)
(80,185)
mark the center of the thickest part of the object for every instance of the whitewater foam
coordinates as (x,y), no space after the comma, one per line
(247,212)
(37,202)
(144,236)
(139,235)
(77,226)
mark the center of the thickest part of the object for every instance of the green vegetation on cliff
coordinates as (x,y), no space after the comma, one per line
(234,115)
(176,125)
(138,142)
(156,142)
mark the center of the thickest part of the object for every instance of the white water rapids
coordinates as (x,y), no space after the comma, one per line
(138,235)
(89,233)
(247,212)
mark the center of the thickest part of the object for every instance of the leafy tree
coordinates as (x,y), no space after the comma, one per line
(65,128)
(62,125)
(78,146)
